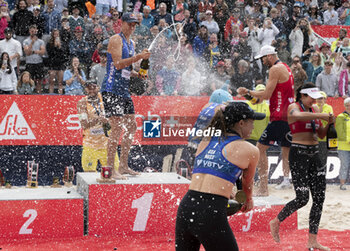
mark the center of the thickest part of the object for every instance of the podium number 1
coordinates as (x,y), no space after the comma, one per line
(33,214)
(143,206)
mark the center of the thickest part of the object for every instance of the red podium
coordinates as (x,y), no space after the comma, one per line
(145,204)
(40,212)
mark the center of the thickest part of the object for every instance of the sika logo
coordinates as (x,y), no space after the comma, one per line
(14,125)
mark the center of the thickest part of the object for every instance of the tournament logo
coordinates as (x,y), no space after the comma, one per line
(151,128)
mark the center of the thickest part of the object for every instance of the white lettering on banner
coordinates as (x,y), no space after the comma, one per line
(73,120)
(33,214)
(333,166)
(14,125)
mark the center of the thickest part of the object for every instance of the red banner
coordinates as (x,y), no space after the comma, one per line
(329,31)
(53,120)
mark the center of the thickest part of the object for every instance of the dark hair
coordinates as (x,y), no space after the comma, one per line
(70,67)
(219,123)
(52,39)
(304,86)
(21,1)
(9,68)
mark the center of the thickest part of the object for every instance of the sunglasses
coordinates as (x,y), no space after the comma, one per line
(296,61)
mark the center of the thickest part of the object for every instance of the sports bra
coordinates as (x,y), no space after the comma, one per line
(212,161)
(304,126)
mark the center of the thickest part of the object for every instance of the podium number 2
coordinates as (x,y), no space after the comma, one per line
(33,214)
(143,206)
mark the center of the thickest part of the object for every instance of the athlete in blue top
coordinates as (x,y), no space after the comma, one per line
(118,104)
(201,216)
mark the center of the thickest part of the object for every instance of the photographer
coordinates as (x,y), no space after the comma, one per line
(301,38)
(298,73)
(268,32)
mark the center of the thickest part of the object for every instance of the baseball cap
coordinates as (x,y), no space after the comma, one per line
(297,4)
(266,50)
(323,94)
(220,63)
(312,92)
(78,29)
(208,12)
(8,30)
(260,87)
(236,111)
(129,18)
(220,96)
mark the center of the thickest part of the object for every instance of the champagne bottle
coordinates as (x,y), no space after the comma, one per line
(233,206)
(106,127)
(332,141)
(144,66)
(252,99)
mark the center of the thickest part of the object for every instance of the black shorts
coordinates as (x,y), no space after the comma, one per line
(276,132)
(116,105)
(35,70)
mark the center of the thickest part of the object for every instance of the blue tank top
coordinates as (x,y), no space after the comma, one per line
(212,161)
(202,122)
(118,81)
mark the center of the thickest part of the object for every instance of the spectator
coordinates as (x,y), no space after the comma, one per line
(74,78)
(80,48)
(213,51)
(343,13)
(233,20)
(116,22)
(201,42)
(324,52)
(178,10)
(21,20)
(278,22)
(39,21)
(189,27)
(221,5)
(313,67)
(76,20)
(294,17)
(168,79)
(242,50)
(218,79)
(257,11)
(298,72)
(268,32)
(90,28)
(252,30)
(163,15)
(163,25)
(191,80)
(342,126)
(98,71)
(330,16)
(221,19)
(57,52)
(4,19)
(234,37)
(327,81)
(80,5)
(52,19)
(34,49)
(212,26)
(344,81)
(301,37)
(313,15)
(148,19)
(282,51)
(65,14)
(242,78)
(65,31)
(8,79)
(338,42)
(13,48)
(345,47)
(25,84)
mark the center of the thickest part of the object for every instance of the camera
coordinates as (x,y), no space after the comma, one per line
(312,50)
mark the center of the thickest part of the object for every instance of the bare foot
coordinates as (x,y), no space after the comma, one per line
(274,229)
(312,246)
(117,176)
(128,171)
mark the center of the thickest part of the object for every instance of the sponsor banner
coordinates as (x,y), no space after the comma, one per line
(329,32)
(53,120)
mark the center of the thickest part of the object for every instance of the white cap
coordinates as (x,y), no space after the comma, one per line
(312,92)
(266,50)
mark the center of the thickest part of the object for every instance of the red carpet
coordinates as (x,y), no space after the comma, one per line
(254,241)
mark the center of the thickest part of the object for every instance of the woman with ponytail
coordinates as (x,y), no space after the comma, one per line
(220,161)
(308,172)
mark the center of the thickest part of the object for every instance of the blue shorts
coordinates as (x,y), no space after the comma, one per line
(276,132)
(116,105)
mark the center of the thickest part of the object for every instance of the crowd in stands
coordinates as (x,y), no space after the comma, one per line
(54,46)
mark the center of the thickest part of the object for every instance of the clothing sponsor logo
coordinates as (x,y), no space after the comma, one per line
(14,125)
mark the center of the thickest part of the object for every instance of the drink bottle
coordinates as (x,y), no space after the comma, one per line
(144,66)
(252,99)
(332,141)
